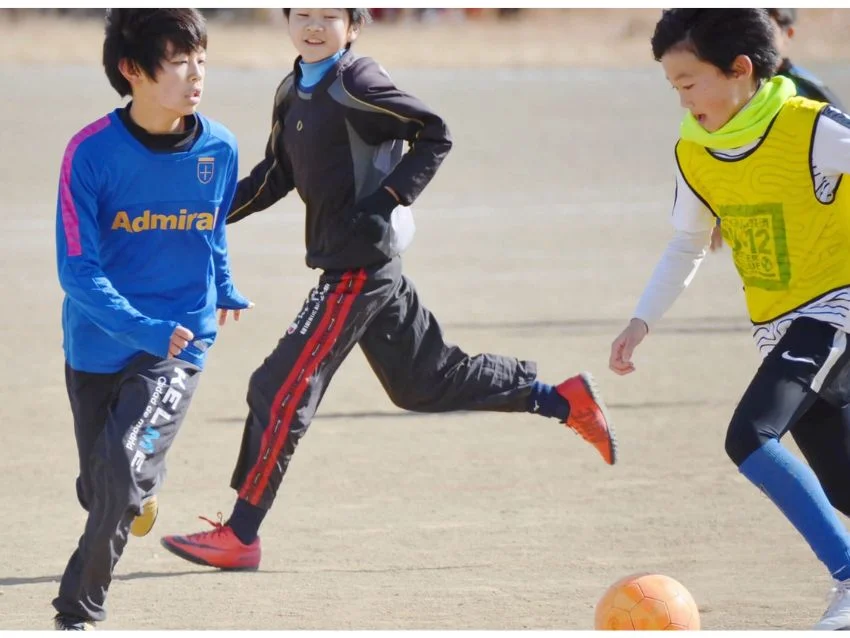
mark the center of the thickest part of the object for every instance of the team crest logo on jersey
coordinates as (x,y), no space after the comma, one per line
(206,169)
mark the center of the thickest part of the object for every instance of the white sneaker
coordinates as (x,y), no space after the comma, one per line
(71,623)
(837,615)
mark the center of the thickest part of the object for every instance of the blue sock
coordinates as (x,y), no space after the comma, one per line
(246,520)
(796,491)
(545,401)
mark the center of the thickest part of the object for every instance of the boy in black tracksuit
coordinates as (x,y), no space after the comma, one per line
(338,129)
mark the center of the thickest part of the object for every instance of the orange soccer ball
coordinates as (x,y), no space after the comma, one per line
(647,601)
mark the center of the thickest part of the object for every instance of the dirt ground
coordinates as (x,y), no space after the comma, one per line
(535,239)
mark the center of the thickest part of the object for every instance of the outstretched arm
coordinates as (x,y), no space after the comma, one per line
(673,273)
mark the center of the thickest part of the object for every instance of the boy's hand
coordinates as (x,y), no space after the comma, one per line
(222,313)
(716,239)
(180,338)
(625,344)
(373,213)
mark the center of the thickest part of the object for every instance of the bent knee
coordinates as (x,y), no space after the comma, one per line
(259,392)
(743,437)
(115,488)
(404,402)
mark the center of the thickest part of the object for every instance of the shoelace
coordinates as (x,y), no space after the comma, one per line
(218,527)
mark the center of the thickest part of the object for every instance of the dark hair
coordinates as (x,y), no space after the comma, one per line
(356,16)
(142,36)
(784,17)
(718,36)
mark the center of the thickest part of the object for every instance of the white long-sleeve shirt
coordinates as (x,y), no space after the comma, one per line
(693,221)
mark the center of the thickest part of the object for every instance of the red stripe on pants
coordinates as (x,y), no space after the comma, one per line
(286,399)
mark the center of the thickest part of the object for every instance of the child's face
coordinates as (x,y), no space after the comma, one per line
(711,96)
(177,85)
(319,33)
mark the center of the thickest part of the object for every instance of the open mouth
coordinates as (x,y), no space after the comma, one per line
(314,42)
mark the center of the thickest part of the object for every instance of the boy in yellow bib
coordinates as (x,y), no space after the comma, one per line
(768,164)
(808,85)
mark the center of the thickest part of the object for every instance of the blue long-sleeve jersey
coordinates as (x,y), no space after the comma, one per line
(140,243)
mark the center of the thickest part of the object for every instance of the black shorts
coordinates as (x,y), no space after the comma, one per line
(809,365)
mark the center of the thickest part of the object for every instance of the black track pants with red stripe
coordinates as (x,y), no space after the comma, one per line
(379,309)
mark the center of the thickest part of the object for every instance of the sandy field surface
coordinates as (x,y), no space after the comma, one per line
(535,239)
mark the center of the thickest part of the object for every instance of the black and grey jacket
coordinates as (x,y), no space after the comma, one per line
(339,144)
(808,85)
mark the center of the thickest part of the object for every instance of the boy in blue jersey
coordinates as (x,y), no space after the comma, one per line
(142,258)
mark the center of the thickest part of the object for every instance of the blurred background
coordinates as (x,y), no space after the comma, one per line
(432,37)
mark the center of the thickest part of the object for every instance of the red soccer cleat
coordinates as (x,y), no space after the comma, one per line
(218,547)
(588,415)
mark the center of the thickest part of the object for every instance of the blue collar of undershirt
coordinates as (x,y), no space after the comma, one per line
(313,72)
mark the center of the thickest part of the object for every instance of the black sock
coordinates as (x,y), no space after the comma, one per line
(546,401)
(245,521)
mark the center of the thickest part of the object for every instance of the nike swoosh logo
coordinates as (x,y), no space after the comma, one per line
(787,356)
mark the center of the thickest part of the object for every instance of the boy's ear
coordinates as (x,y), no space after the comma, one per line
(742,66)
(130,71)
(353,31)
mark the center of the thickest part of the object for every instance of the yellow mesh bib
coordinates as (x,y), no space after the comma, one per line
(789,247)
